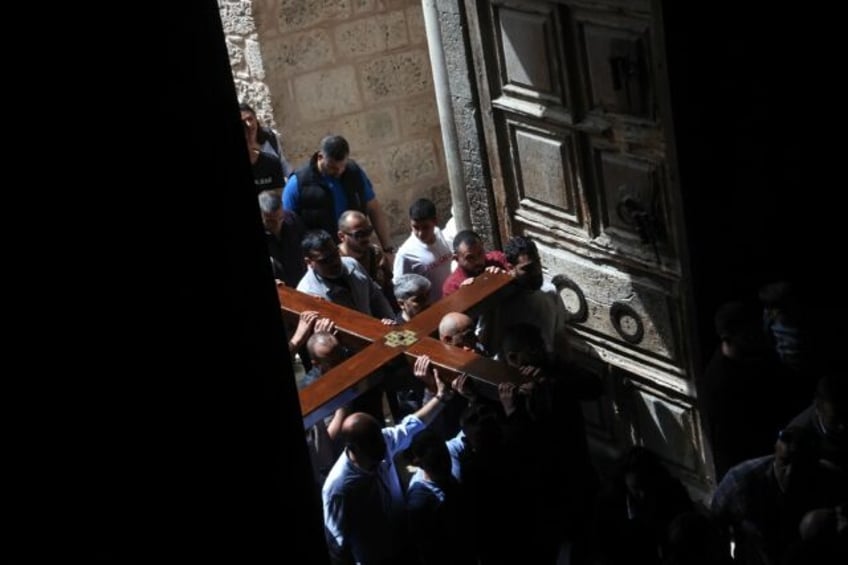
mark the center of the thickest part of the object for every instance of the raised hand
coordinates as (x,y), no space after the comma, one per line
(507,394)
(303,330)
(462,385)
(325,325)
(421,370)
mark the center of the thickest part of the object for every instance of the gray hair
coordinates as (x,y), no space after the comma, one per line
(409,285)
(270,201)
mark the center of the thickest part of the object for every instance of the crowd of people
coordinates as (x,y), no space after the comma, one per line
(513,481)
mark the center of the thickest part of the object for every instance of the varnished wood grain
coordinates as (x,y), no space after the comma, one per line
(353,377)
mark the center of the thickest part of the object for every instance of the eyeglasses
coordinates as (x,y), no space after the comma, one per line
(360,234)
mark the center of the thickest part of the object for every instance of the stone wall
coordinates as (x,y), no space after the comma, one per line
(359,68)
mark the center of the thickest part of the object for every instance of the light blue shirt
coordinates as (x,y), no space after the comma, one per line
(361,507)
(363,294)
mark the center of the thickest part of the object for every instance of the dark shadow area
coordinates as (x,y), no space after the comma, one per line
(751,97)
(159,419)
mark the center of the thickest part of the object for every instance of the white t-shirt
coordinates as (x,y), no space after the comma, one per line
(431,261)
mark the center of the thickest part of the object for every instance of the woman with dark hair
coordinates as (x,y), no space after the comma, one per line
(262,138)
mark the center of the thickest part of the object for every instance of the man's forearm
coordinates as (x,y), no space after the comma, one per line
(431,408)
(380,223)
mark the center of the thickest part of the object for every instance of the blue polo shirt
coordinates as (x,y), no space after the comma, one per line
(291,193)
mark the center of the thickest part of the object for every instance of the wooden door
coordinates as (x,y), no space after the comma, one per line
(579,139)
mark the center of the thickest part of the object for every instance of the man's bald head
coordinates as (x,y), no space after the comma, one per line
(324,350)
(457,329)
(361,433)
(350,216)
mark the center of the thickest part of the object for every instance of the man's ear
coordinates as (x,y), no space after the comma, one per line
(340,235)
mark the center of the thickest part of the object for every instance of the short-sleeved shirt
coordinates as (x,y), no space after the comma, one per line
(267,172)
(291,193)
(432,261)
(493,259)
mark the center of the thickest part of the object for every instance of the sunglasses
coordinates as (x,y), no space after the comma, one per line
(360,234)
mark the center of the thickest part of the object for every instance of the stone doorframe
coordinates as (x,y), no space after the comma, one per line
(452,41)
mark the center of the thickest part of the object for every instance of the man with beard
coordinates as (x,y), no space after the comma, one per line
(341,280)
(320,191)
(355,241)
(471,261)
(536,302)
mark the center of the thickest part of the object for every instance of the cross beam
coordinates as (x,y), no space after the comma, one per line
(380,344)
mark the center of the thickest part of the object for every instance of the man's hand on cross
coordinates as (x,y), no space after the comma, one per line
(507,393)
(421,370)
(325,325)
(462,385)
(304,328)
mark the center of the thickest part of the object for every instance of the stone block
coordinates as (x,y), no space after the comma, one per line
(418,117)
(237,17)
(360,37)
(353,128)
(297,52)
(256,94)
(393,27)
(362,6)
(396,209)
(394,4)
(253,57)
(235,50)
(396,76)
(296,15)
(324,94)
(441,197)
(372,164)
(411,162)
(302,141)
(381,126)
(372,34)
(415,24)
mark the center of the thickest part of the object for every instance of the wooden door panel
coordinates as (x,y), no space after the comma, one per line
(624,310)
(616,56)
(545,176)
(667,423)
(633,209)
(576,126)
(530,62)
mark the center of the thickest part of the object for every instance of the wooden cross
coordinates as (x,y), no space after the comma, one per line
(380,343)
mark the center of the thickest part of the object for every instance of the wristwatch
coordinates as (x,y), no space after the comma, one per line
(389,250)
